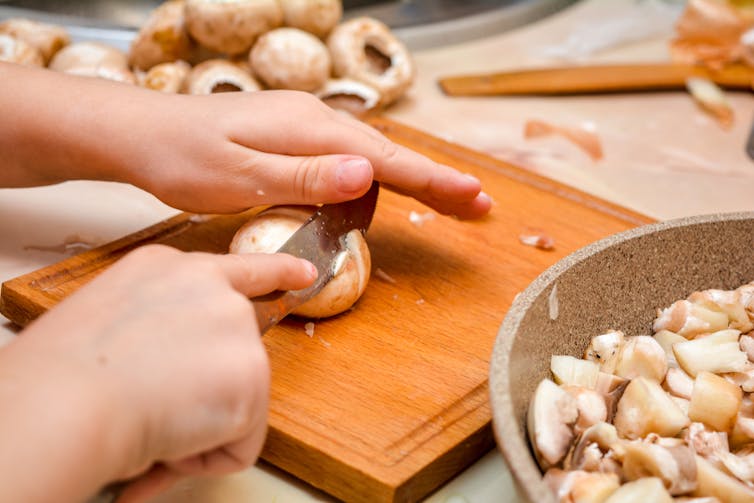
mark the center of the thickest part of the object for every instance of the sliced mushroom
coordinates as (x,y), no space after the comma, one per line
(14,50)
(581,486)
(48,39)
(231,26)
(642,356)
(714,482)
(572,371)
(646,408)
(650,489)
(219,76)
(728,302)
(604,350)
(266,232)
(163,38)
(364,49)
(550,417)
(674,465)
(318,17)
(666,339)
(349,95)
(715,401)
(688,319)
(166,77)
(288,58)
(591,406)
(678,383)
(718,352)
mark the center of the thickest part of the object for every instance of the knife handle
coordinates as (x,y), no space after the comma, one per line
(595,79)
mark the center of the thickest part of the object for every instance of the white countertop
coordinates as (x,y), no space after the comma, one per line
(663,157)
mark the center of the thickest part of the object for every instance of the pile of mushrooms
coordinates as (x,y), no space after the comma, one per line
(661,418)
(209,46)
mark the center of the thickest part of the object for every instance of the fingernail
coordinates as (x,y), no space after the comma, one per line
(310,269)
(483,196)
(353,174)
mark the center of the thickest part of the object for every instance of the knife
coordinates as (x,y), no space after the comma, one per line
(595,79)
(320,241)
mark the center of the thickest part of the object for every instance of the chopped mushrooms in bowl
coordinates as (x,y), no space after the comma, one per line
(625,371)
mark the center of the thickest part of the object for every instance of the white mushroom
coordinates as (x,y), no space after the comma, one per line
(573,371)
(641,356)
(14,50)
(674,465)
(349,95)
(581,486)
(591,406)
(163,38)
(714,482)
(231,26)
(315,16)
(551,414)
(46,38)
(678,383)
(688,319)
(218,76)
(715,401)
(92,59)
(269,230)
(646,408)
(166,77)
(364,49)
(650,489)
(604,350)
(718,352)
(288,58)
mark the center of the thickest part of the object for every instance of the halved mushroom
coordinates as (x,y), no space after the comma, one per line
(591,406)
(642,356)
(163,38)
(650,489)
(288,58)
(46,38)
(728,302)
(318,17)
(646,408)
(550,417)
(674,465)
(604,350)
(581,486)
(166,77)
(15,50)
(349,95)
(364,49)
(688,319)
(666,339)
(219,76)
(231,26)
(715,401)
(714,482)
(572,371)
(678,383)
(269,230)
(718,352)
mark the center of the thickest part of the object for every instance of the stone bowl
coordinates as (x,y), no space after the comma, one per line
(615,283)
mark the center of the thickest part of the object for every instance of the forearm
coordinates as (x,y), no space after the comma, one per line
(55,127)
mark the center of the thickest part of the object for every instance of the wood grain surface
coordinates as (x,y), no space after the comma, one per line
(595,79)
(390,400)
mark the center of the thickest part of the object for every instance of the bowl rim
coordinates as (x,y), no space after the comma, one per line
(510,438)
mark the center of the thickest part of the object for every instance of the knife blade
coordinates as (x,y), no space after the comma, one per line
(591,79)
(320,241)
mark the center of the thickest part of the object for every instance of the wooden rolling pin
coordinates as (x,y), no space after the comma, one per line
(595,79)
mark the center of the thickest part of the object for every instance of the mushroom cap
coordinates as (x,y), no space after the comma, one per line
(365,49)
(219,75)
(231,26)
(318,17)
(46,38)
(88,54)
(350,96)
(268,231)
(166,77)
(15,50)
(163,38)
(288,58)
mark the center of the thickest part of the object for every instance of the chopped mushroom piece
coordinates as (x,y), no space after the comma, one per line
(688,319)
(572,371)
(682,403)
(591,406)
(740,464)
(646,408)
(714,401)
(678,383)
(728,302)
(581,486)
(714,482)
(743,379)
(650,489)
(604,349)
(711,99)
(551,413)
(674,465)
(666,339)
(746,342)
(596,449)
(612,388)
(642,356)
(718,352)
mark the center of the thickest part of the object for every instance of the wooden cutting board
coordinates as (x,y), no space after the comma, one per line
(390,400)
